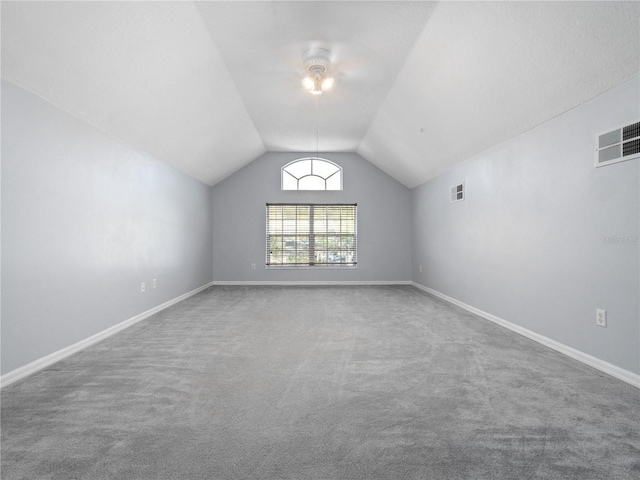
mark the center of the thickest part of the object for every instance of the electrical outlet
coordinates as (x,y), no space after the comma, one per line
(253,266)
(142,288)
(420,268)
(154,283)
(601,318)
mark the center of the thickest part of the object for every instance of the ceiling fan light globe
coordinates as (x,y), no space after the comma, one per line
(327,83)
(308,83)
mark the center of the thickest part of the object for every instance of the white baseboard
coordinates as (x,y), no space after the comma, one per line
(33,367)
(605,367)
(313,282)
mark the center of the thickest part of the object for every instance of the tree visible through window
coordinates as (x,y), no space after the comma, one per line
(311,235)
(311,174)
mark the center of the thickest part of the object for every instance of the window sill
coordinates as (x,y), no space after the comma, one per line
(305,267)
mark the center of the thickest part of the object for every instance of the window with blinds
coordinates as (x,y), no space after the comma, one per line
(311,235)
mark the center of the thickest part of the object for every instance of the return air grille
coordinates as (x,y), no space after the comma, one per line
(618,145)
(457,193)
(610,138)
(631,148)
(631,131)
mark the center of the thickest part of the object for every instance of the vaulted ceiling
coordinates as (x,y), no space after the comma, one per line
(209,86)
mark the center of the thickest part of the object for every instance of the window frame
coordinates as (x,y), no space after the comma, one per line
(284,171)
(312,246)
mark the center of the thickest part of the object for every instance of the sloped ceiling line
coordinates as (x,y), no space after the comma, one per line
(208,87)
(484,72)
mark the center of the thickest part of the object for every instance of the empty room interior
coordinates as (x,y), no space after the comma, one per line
(320,240)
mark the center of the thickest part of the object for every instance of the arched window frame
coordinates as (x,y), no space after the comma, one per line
(311,173)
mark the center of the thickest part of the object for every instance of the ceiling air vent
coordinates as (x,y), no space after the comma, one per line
(457,193)
(618,145)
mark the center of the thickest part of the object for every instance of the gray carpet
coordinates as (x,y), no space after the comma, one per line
(319,383)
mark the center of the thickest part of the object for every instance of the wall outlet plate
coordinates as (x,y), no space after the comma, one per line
(601,318)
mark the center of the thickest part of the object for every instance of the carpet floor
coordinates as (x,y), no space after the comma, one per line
(319,383)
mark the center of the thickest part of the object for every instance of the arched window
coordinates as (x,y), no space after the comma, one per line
(311,173)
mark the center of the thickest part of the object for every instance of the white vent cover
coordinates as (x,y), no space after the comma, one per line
(618,145)
(457,193)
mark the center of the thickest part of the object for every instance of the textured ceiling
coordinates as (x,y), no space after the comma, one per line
(420,86)
(484,72)
(145,72)
(262,44)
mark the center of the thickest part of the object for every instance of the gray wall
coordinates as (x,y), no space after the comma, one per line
(543,238)
(384,221)
(85,220)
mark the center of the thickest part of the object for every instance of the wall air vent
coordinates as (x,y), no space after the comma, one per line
(457,193)
(618,145)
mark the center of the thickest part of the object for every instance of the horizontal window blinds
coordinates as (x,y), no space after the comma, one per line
(311,235)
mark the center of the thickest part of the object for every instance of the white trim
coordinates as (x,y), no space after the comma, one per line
(605,367)
(608,368)
(41,363)
(312,282)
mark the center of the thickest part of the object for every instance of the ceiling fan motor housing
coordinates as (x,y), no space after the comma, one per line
(316,60)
